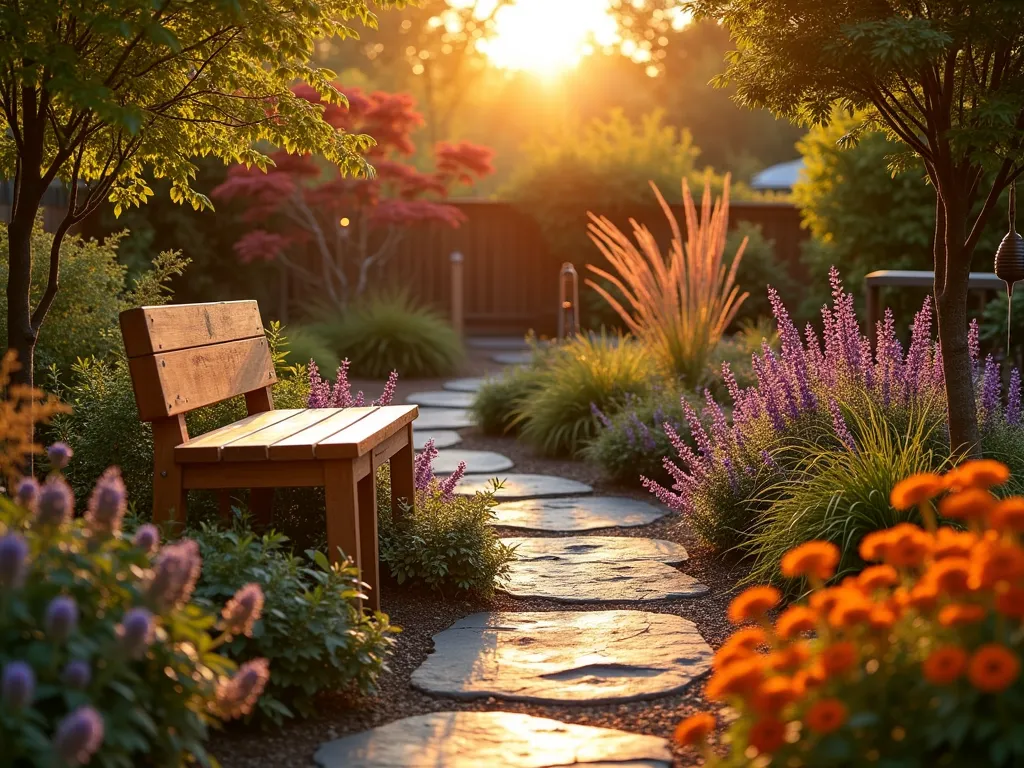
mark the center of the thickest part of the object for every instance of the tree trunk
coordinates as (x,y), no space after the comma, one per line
(21,337)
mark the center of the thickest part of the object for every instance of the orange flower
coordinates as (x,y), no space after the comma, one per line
(790,657)
(994,561)
(953,543)
(979,473)
(993,668)
(874,545)
(908,546)
(878,577)
(957,614)
(795,621)
(767,735)
(752,604)
(838,657)
(944,665)
(737,679)
(1008,515)
(949,575)
(824,600)
(1010,601)
(694,730)
(922,596)
(970,504)
(815,558)
(730,654)
(882,617)
(811,677)
(774,694)
(916,489)
(742,644)
(850,611)
(826,715)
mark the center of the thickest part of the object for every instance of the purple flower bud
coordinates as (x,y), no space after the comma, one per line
(136,632)
(78,736)
(76,674)
(175,574)
(61,618)
(107,503)
(27,493)
(389,389)
(17,685)
(243,610)
(56,503)
(59,455)
(237,696)
(447,486)
(147,538)
(13,561)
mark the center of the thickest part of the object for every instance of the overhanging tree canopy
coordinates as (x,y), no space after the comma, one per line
(944,77)
(94,92)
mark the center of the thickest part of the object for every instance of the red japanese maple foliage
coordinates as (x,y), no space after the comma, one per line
(334,231)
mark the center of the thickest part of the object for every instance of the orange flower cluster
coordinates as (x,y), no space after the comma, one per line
(951,599)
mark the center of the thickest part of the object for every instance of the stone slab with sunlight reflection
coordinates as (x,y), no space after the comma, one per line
(577,513)
(560,656)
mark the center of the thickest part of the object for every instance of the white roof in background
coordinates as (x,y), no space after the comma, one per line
(781,176)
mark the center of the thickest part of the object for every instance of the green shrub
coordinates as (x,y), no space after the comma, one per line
(110,637)
(307,343)
(580,375)
(495,404)
(444,543)
(391,333)
(311,631)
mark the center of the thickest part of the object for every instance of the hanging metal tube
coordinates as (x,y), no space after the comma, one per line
(568,302)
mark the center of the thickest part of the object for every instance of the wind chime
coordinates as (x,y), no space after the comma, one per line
(1010,260)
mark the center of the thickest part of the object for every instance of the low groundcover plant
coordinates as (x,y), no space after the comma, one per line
(916,661)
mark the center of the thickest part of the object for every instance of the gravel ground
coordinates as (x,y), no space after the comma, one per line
(421,615)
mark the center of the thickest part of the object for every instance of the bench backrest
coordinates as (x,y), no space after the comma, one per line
(185,356)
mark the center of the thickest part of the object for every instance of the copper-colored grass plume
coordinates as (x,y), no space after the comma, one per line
(679,305)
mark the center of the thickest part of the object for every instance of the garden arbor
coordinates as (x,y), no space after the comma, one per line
(943,77)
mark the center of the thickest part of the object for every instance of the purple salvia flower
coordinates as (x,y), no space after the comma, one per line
(108,503)
(56,503)
(76,674)
(769,396)
(389,389)
(731,385)
(990,391)
(780,381)
(696,464)
(135,632)
(175,574)
(13,561)
(79,736)
(17,685)
(938,373)
(423,471)
(730,472)
(243,610)
(769,462)
(319,389)
(341,397)
(664,495)
(360,400)
(237,696)
(1013,398)
(147,538)
(974,345)
(630,435)
(27,493)
(920,343)
(61,618)
(700,437)
(599,415)
(59,455)
(813,355)
(720,433)
(839,424)
(447,486)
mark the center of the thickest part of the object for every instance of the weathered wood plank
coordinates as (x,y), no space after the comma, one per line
(208,447)
(366,433)
(151,330)
(255,446)
(301,445)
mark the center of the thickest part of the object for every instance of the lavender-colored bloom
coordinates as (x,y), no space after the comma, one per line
(79,736)
(27,493)
(61,618)
(389,389)
(423,471)
(920,342)
(341,396)
(700,437)
(974,344)
(135,632)
(59,455)
(447,486)
(769,462)
(664,495)
(599,415)
(1013,399)
(147,538)
(839,424)
(107,503)
(319,390)
(76,674)
(990,391)
(243,610)
(17,685)
(237,696)
(56,503)
(13,561)
(175,573)
(360,399)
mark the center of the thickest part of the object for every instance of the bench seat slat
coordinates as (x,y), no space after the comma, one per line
(207,447)
(359,438)
(255,445)
(301,445)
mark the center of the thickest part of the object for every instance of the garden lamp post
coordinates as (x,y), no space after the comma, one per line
(568,302)
(1009,266)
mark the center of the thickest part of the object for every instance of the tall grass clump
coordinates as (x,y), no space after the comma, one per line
(678,304)
(580,377)
(496,402)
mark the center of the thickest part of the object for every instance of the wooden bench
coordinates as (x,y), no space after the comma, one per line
(187,356)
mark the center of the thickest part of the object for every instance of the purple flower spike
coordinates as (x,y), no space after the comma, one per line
(13,561)
(839,424)
(341,396)
(1013,398)
(79,736)
(389,389)
(17,685)
(76,674)
(237,696)
(423,471)
(135,632)
(447,486)
(600,416)
(243,610)
(974,344)
(108,503)
(61,618)
(175,574)
(59,455)
(56,503)
(991,387)
(319,390)
(147,538)
(27,493)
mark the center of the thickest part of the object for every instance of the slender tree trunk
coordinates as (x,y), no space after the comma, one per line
(21,336)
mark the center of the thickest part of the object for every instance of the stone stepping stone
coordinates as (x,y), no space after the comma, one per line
(592,657)
(580,513)
(465,385)
(476,461)
(443,418)
(497,343)
(443,438)
(599,569)
(482,739)
(518,486)
(441,399)
(513,358)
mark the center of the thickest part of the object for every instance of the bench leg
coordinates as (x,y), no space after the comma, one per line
(342,503)
(169,496)
(370,568)
(261,506)
(403,481)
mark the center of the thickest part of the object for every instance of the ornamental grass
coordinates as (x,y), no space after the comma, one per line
(915,661)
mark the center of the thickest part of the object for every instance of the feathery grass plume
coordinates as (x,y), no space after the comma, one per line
(681,303)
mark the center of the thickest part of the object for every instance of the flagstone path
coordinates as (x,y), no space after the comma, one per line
(442,399)
(443,438)
(476,461)
(465,385)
